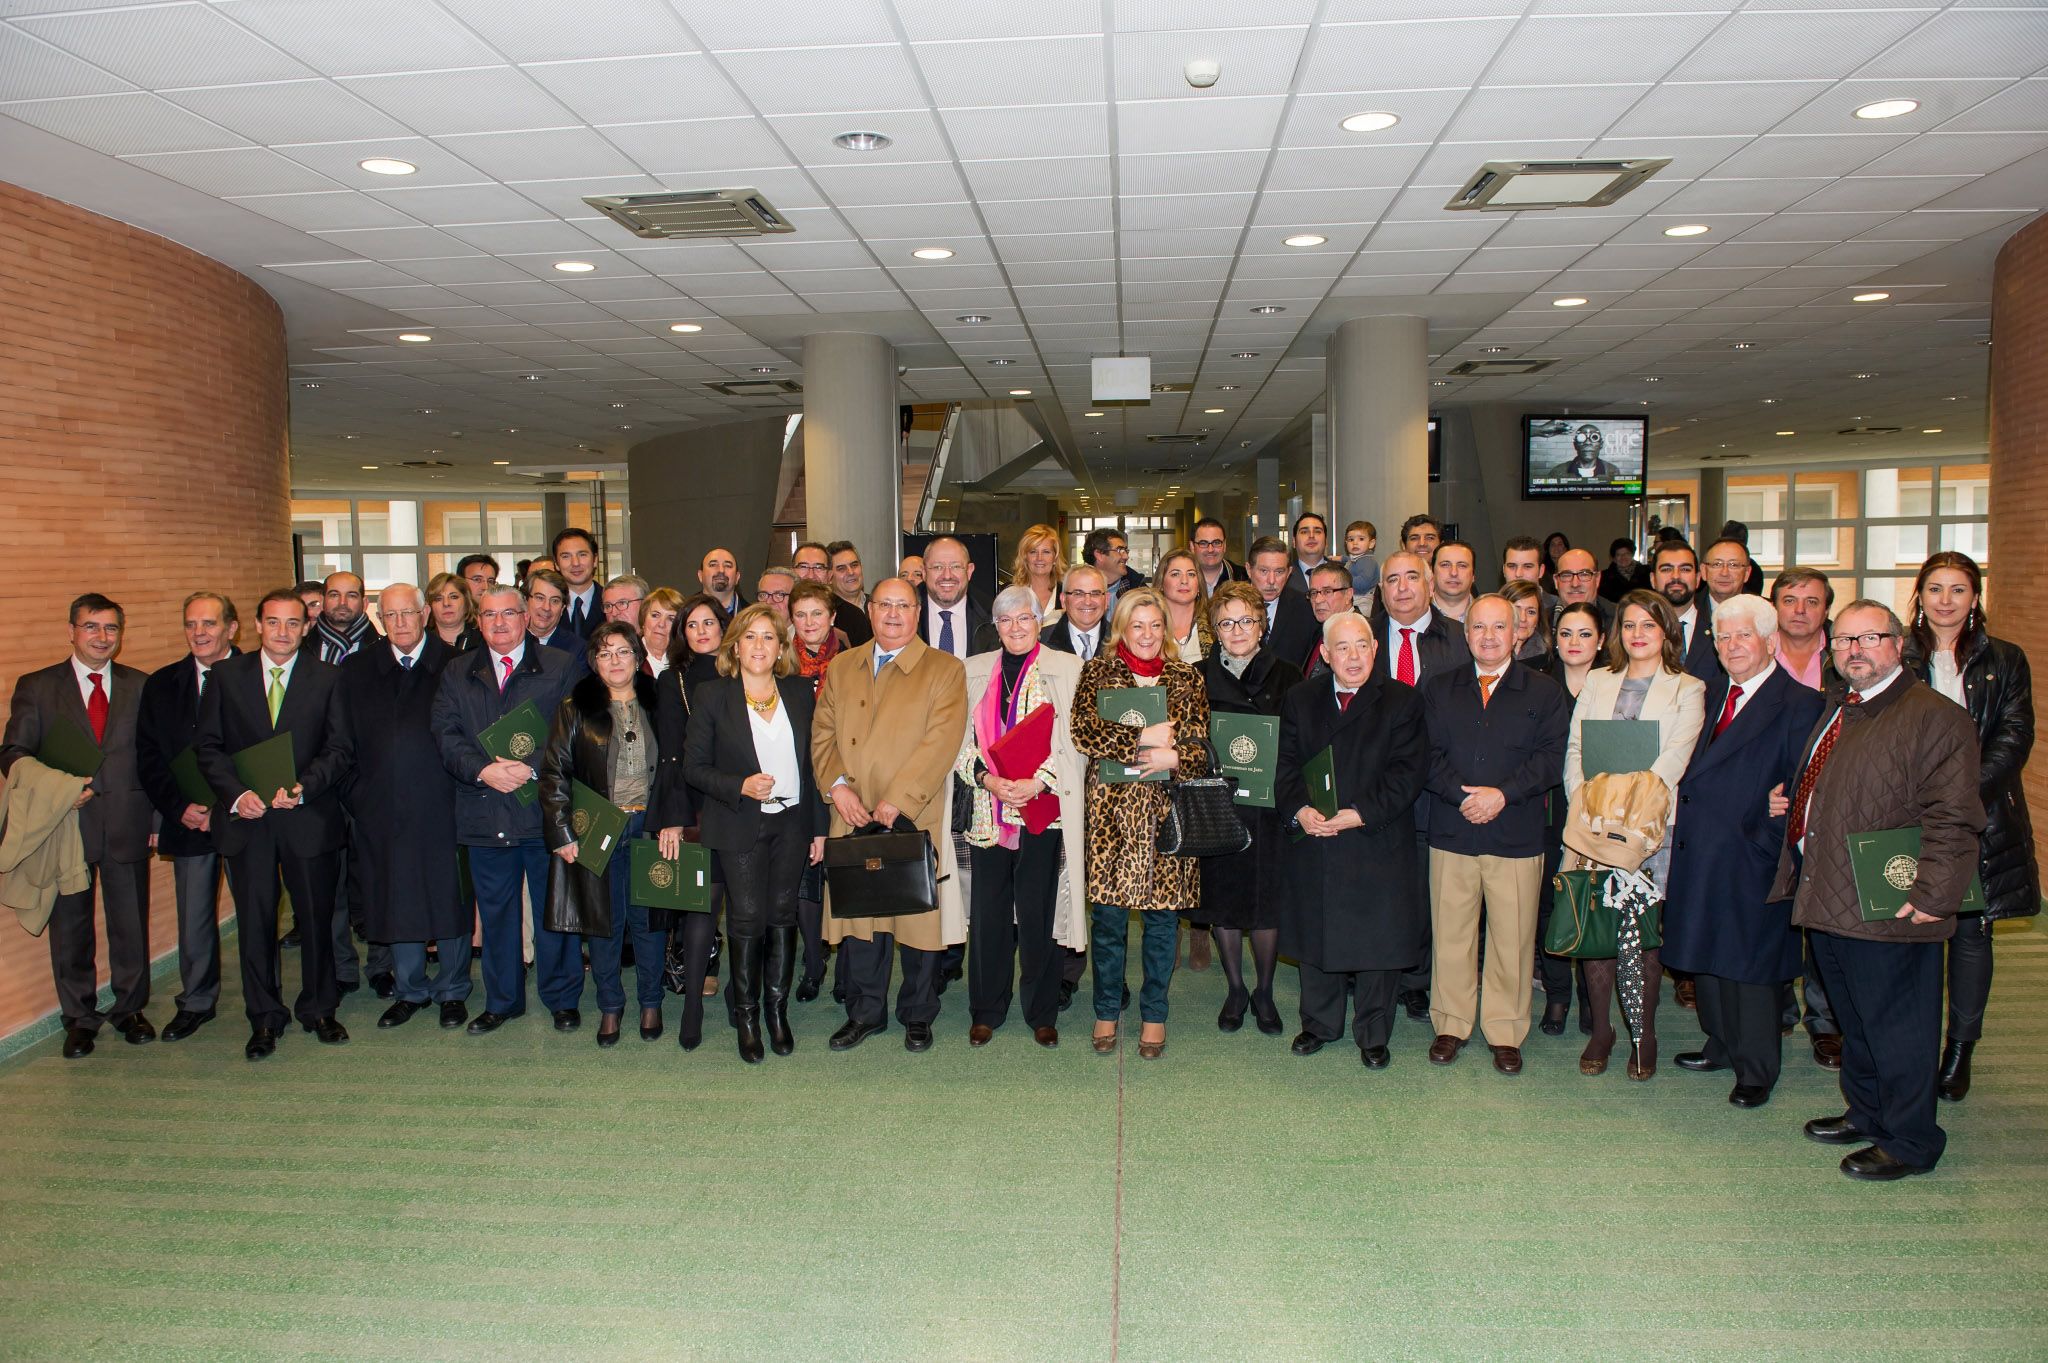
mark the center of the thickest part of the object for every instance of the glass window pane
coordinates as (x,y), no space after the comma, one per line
(1754,497)
(388,522)
(1896,592)
(1829,548)
(319,563)
(320,523)
(1898,492)
(1896,546)
(516,524)
(1767,547)
(1968,537)
(1965,489)
(1825,496)
(381,570)
(451,522)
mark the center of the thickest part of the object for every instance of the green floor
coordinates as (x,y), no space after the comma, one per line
(425,1195)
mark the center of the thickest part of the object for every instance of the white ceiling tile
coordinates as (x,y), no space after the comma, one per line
(553,154)
(1198,126)
(239,170)
(1705,197)
(942,20)
(889,185)
(810,24)
(1958,153)
(395,243)
(1403,56)
(338,273)
(440,206)
(362,37)
(862,279)
(1063,272)
(645,89)
(331,211)
(1063,177)
(1257,61)
(1871,254)
(1065,70)
(1406,262)
(1043,216)
(2020,107)
(1780,155)
(1859,193)
(1821,227)
(513,238)
(289,111)
(1466,231)
(824,80)
(407,296)
(1056,245)
(915,135)
(166,45)
(123,124)
(909,221)
(699,146)
(1362,167)
(33,69)
(534,30)
(1964,43)
(1745,108)
(1314,120)
(1451,164)
(1558,111)
(1932,225)
(1144,212)
(1056,130)
(2022,184)
(483,99)
(465,270)
(1219,172)
(1293,265)
(1761,45)
(1644,46)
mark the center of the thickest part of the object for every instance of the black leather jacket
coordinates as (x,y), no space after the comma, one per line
(1998,691)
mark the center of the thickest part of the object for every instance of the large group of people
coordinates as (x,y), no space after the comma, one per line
(1453,767)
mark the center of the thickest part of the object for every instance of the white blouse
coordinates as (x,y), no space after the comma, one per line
(1946,677)
(775,750)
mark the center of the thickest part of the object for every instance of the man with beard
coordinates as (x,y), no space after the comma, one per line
(1675,570)
(718,575)
(342,628)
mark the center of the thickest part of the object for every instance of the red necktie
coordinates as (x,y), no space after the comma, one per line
(1314,653)
(505,680)
(1404,665)
(1795,828)
(96,708)
(1344,699)
(1727,711)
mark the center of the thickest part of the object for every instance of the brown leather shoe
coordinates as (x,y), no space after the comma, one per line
(980,1034)
(1048,1037)
(1104,1042)
(1827,1052)
(1683,994)
(1445,1048)
(1507,1059)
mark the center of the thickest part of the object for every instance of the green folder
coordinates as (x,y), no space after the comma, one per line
(268,767)
(596,824)
(519,734)
(683,883)
(1137,707)
(70,749)
(1245,748)
(1885,865)
(1320,772)
(192,785)
(1618,745)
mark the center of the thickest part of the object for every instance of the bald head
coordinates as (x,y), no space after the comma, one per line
(341,599)
(892,610)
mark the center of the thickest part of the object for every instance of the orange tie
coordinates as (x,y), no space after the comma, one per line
(1486,689)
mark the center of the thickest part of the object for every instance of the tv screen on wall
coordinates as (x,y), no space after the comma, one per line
(1583,456)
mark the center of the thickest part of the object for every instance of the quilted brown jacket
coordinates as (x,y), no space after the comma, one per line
(1906,758)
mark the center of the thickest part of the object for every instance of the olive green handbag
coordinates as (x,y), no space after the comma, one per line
(1581,924)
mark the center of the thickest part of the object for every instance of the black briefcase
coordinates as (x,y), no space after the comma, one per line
(882,873)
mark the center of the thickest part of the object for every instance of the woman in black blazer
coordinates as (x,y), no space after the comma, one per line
(693,945)
(747,754)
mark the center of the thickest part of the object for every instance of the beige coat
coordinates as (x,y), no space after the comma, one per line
(894,737)
(41,852)
(1676,701)
(1051,680)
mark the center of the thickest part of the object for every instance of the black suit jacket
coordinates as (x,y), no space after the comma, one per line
(115,823)
(591,621)
(1700,658)
(1439,648)
(571,643)
(1515,743)
(718,757)
(851,620)
(169,725)
(1058,635)
(981,631)
(1293,629)
(235,714)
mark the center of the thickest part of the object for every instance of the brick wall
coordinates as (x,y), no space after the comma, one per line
(2019,465)
(142,455)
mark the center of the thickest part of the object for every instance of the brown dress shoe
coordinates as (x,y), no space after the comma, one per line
(1683,994)
(1445,1048)
(980,1034)
(1104,1042)
(1507,1059)
(1827,1052)
(1048,1037)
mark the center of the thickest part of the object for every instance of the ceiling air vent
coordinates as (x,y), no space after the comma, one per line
(1485,368)
(1869,430)
(425,464)
(693,213)
(1176,439)
(756,388)
(1521,186)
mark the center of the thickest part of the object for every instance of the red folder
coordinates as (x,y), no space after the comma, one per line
(1018,755)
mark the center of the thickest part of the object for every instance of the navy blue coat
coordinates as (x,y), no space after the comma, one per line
(468,703)
(1514,743)
(1718,915)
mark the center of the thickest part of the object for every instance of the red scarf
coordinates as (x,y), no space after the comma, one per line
(1141,667)
(813,665)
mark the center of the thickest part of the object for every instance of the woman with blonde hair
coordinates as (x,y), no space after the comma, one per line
(658,616)
(1179,583)
(1040,566)
(453,611)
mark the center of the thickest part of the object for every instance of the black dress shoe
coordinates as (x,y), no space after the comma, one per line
(1308,1043)
(184,1023)
(853,1033)
(454,1013)
(1876,1166)
(1554,1015)
(917,1036)
(399,1013)
(1234,1005)
(347,987)
(1375,1057)
(329,1031)
(567,1019)
(77,1043)
(1749,1095)
(1833,1131)
(486,1022)
(1066,995)
(1265,1014)
(262,1044)
(652,1033)
(1416,1001)
(291,938)
(608,1039)
(135,1029)
(807,988)
(384,984)
(1697,1062)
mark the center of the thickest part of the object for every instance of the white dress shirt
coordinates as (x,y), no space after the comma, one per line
(413,653)
(1417,629)
(1087,642)
(1744,691)
(962,645)
(84,674)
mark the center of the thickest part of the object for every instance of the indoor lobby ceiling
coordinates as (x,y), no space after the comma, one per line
(1092,200)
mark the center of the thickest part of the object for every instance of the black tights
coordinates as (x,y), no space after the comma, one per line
(695,933)
(1265,955)
(1969,977)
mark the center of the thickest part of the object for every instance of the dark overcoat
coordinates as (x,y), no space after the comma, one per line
(579,749)
(1244,890)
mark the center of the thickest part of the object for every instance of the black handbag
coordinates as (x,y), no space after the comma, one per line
(877,872)
(1201,817)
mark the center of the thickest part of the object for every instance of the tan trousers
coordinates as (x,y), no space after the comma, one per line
(1508,888)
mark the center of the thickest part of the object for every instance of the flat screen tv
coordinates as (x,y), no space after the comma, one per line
(1583,456)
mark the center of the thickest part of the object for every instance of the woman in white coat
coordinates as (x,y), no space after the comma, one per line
(1644,679)
(1015,907)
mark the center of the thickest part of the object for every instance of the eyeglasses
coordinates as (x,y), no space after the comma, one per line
(1238,622)
(1727,565)
(1576,575)
(774,596)
(1088,596)
(402,615)
(1867,642)
(1016,622)
(617,655)
(1329,591)
(1208,544)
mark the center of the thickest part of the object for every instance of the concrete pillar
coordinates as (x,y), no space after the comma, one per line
(1712,512)
(1377,376)
(853,467)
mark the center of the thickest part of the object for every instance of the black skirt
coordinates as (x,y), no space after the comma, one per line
(1243,890)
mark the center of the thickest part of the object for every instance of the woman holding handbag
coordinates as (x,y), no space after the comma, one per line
(1644,679)
(1126,872)
(693,941)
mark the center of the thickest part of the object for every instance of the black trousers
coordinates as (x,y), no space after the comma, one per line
(74,947)
(1969,977)
(197,880)
(1417,979)
(868,965)
(254,874)
(1741,1023)
(1322,1003)
(1014,895)
(761,882)
(1887,996)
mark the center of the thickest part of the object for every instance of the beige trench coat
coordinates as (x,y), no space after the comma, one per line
(894,737)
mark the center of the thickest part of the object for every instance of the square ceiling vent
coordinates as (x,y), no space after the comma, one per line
(1525,186)
(1483,368)
(756,388)
(685,214)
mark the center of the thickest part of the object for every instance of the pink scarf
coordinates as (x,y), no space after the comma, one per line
(992,719)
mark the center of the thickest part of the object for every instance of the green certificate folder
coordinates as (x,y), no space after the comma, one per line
(1138,707)
(519,734)
(1245,747)
(596,823)
(191,785)
(1885,864)
(68,748)
(1618,745)
(268,767)
(683,884)
(1320,772)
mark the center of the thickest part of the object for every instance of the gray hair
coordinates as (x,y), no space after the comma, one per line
(1864,603)
(1351,614)
(1759,614)
(1083,569)
(500,589)
(633,580)
(789,573)
(1012,599)
(419,597)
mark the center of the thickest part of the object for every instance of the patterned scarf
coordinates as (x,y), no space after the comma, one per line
(336,644)
(813,665)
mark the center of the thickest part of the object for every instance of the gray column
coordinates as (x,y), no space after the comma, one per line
(853,467)
(1377,390)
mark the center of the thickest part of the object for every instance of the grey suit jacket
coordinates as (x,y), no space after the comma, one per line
(115,823)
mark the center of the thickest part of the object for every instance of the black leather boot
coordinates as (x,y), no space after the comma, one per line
(745,957)
(1953,1082)
(780,970)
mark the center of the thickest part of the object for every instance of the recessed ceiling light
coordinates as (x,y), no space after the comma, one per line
(1688,229)
(1743,345)
(1212,411)
(511,430)
(862,141)
(1091,414)
(1244,355)
(1931,430)
(574,266)
(1769,401)
(932,253)
(415,337)
(1494,350)
(617,405)
(1020,392)
(501,463)
(1862,376)
(1788,433)
(348,437)
(1304,239)
(685,327)
(1888,108)
(531,378)
(1369,123)
(1439,383)
(764,369)
(1226,388)
(309,385)
(1870,298)
(1002,362)
(387,165)
(1567,302)
(367,466)
(1267,309)
(1652,378)
(972,317)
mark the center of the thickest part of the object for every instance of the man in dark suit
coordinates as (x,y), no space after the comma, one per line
(1497,732)
(1329,593)
(950,618)
(1080,629)
(1311,549)
(1211,545)
(1290,623)
(577,559)
(296,834)
(547,598)
(1675,569)
(1577,578)
(100,699)
(169,726)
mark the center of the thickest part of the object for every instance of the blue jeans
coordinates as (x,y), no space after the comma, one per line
(1108,943)
(650,948)
(557,956)
(451,983)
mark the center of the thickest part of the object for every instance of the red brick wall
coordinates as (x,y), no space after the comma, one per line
(2019,465)
(142,455)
